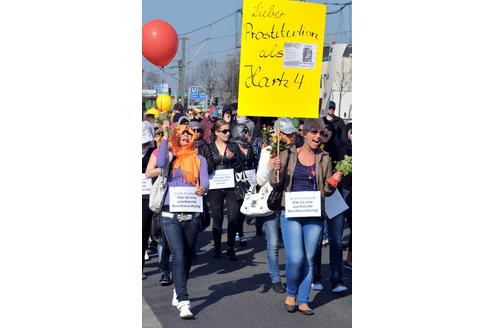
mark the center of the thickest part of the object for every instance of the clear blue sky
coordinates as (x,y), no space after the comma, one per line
(188,15)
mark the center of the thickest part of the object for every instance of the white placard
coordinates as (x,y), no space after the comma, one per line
(222,179)
(302,204)
(145,184)
(183,199)
(335,204)
(250,175)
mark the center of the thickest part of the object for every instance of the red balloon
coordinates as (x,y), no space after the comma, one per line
(160,42)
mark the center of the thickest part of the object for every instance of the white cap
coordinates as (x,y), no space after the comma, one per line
(286,126)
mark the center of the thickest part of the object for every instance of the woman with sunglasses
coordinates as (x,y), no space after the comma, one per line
(307,168)
(225,156)
(187,169)
(248,160)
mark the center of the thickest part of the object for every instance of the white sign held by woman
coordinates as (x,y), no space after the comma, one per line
(222,179)
(302,204)
(183,199)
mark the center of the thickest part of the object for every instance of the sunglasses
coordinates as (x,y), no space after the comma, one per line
(224,131)
(321,132)
(197,130)
(186,132)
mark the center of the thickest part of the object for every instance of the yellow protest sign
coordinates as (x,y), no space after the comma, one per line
(281,58)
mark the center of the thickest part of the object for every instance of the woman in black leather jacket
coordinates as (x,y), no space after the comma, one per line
(225,156)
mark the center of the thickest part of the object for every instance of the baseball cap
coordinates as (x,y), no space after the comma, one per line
(286,126)
(195,125)
(152,111)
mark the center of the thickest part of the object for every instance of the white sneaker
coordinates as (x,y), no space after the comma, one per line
(146,256)
(175,302)
(185,310)
(317,286)
(339,289)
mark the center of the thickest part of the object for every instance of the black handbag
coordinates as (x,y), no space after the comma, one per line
(241,187)
(274,201)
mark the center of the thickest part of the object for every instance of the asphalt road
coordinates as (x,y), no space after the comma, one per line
(238,294)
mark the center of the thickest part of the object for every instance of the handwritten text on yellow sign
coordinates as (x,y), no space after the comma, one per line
(281,53)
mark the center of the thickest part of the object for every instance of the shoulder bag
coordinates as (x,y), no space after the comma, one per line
(159,189)
(255,203)
(157,194)
(274,200)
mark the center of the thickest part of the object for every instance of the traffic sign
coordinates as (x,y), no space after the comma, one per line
(197,96)
(193,90)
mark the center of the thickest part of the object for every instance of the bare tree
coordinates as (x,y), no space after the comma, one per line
(343,80)
(190,79)
(229,78)
(206,75)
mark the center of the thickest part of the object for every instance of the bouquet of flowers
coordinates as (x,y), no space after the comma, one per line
(344,166)
(270,138)
(163,116)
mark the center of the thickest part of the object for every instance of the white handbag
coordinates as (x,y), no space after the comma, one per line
(254,203)
(159,188)
(157,193)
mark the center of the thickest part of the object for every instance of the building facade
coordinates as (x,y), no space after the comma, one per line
(336,79)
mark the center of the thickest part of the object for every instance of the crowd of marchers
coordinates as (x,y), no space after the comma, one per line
(196,143)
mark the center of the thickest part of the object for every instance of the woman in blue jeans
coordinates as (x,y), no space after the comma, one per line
(187,169)
(271,223)
(307,168)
